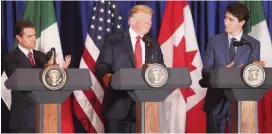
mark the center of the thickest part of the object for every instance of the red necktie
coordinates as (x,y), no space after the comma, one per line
(138,53)
(31,59)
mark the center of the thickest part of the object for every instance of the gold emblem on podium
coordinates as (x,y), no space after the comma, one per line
(254,75)
(156,75)
(54,77)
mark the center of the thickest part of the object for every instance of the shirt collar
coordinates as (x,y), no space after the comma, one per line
(238,37)
(25,51)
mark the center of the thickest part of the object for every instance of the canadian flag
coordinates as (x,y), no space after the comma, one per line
(182,110)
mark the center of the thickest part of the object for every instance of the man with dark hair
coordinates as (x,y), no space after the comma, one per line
(20,25)
(22,111)
(240,11)
(221,51)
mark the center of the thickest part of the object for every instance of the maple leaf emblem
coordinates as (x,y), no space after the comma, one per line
(181,58)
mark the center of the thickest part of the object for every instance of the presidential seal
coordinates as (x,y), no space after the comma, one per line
(156,75)
(254,75)
(54,77)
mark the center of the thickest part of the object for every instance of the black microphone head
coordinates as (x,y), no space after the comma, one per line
(53,49)
(147,40)
(49,54)
(236,43)
(243,42)
(240,43)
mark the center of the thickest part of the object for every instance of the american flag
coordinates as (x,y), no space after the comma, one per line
(105,19)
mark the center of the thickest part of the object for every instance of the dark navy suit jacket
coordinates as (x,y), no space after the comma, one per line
(22,111)
(217,56)
(117,53)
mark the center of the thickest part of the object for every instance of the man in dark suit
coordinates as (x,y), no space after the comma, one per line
(125,50)
(22,112)
(222,51)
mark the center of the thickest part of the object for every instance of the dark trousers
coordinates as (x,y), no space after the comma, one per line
(120,126)
(218,117)
(127,125)
(4,117)
(28,130)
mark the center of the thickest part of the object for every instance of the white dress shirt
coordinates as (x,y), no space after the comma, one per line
(133,37)
(238,38)
(25,51)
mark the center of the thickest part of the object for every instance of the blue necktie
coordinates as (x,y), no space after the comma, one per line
(232,49)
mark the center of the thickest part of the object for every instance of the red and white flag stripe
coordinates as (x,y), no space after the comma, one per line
(87,104)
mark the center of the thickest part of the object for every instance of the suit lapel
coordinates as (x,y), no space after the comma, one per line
(226,48)
(240,51)
(23,59)
(129,47)
(39,59)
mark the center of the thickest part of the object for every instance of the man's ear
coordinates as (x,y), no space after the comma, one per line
(132,20)
(242,23)
(19,38)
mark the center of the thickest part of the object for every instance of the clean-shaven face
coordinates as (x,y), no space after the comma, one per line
(232,24)
(28,38)
(143,22)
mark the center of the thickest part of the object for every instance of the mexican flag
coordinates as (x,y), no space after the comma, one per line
(42,15)
(257,28)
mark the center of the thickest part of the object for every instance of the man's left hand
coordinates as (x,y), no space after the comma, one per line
(67,61)
(261,63)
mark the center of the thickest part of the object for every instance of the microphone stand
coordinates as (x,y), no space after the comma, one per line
(244,42)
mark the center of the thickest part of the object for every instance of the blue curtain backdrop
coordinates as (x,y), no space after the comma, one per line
(73,17)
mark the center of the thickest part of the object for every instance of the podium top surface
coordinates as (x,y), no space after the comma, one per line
(233,78)
(132,79)
(29,79)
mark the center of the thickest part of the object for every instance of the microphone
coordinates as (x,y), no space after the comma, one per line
(148,42)
(50,53)
(54,52)
(244,42)
(53,49)
(240,43)
(236,43)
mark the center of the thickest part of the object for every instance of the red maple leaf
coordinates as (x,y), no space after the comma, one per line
(181,58)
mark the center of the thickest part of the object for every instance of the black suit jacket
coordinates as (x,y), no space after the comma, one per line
(22,112)
(117,53)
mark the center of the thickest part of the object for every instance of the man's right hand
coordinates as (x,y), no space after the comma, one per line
(67,61)
(261,63)
(106,79)
(230,65)
(51,61)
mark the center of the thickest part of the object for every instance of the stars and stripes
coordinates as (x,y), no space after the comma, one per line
(105,19)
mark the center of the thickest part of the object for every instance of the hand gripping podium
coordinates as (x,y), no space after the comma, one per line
(48,113)
(131,81)
(244,114)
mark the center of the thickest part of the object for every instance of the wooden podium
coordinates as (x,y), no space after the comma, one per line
(244,107)
(131,80)
(48,110)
